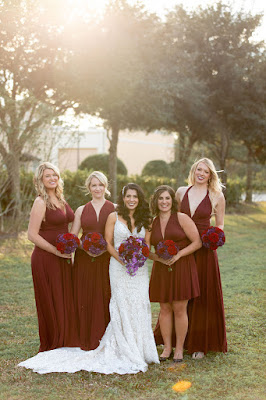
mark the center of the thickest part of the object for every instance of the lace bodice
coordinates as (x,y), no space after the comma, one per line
(121,232)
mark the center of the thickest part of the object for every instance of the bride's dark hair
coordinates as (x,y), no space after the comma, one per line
(141,215)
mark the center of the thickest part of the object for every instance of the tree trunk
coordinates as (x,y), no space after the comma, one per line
(248,198)
(223,155)
(12,162)
(113,161)
(183,148)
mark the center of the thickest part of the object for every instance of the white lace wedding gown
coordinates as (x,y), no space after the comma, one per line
(128,345)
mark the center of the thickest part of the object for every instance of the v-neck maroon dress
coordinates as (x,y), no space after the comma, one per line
(182,282)
(53,286)
(91,281)
(206,330)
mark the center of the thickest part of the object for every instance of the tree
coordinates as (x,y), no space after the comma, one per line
(156,168)
(28,82)
(109,70)
(100,162)
(208,54)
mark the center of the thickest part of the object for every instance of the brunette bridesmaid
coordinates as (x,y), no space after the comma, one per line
(50,216)
(172,289)
(91,273)
(200,200)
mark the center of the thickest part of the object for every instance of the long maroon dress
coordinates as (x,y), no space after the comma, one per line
(206,330)
(179,284)
(53,286)
(91,282)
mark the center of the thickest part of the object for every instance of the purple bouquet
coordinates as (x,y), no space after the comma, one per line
(213,237)
(94,243)
(67,243)
(166,249)
(133,252)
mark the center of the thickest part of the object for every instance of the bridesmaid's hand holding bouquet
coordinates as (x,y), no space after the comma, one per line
(94,244)
(213,237)
(167,250)
(66,244)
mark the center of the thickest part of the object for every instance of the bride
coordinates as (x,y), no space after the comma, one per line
(128,345)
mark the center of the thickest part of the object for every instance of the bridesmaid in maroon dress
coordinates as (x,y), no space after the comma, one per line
(50,216)
(91,273)
(172,289)
(200,200)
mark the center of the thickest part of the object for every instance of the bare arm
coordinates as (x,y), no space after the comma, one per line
(109,236)
(76,226)
(36,217)
(192,234)
(179,195)
(220,211)
(153,256)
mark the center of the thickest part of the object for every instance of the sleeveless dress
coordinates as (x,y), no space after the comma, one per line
(127,345)
(91,282)
(182,282)
(53,285)
(206,330)
(179,284)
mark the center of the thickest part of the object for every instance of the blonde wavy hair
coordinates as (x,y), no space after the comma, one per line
(215,186)
(101,177)
(40,188)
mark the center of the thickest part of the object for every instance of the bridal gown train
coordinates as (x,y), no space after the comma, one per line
(128,345)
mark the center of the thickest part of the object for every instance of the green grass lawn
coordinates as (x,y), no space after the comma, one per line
(238,375)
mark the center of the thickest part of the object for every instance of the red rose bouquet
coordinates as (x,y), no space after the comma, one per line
(166,249)
(213,237)
(94,242)
(133,252)
(67,243)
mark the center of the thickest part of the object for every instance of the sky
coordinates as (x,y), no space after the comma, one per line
(161,6)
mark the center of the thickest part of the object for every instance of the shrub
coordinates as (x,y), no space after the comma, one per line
(234,190)
(157,168)
(99,162)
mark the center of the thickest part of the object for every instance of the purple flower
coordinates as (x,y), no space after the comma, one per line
(132,252)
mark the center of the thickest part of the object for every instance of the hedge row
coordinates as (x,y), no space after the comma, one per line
(75,192)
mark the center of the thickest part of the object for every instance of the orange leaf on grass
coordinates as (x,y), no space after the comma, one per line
(181,386)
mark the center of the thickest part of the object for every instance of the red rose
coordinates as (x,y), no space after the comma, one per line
(168,242)
(213,246)
(172,250)
(121,248)
(60,247)
(86,245)
(213,237)
(145,251)
(95,237)
(68,236)
(77,240)
(205,239)
(218,230)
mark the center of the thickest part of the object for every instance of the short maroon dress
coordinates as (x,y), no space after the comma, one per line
(182,282)
(91,282)
(53,286)
(206,330)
